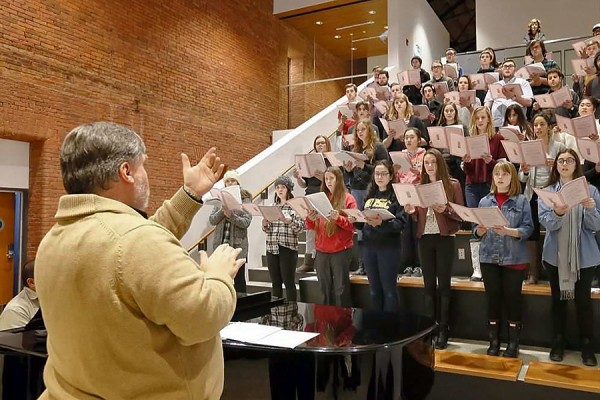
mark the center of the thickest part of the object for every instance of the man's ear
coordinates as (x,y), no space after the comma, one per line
(30,283)
(125,172)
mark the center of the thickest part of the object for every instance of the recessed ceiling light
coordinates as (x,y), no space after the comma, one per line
(385,27)
(319,22)
(372,12)
(338,36)
(354,49)
(364,31)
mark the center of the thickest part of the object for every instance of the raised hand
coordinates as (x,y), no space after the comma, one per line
(201,177)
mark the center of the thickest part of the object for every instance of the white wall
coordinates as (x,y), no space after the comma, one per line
(280,6)
(504,23)
(14,164)
(416,21)
(375,61)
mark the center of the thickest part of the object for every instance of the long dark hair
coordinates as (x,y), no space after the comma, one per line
(373,188)
(555,176)
(441,173)
(524,126)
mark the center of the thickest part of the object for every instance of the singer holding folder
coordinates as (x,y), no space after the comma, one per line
(436,228)
(503,256)
(570,256)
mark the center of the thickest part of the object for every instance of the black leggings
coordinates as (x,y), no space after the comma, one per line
(435,251)
(282,269)
(583,302)
(503,287)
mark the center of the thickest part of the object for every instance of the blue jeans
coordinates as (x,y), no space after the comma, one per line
(475,192)
(381,265)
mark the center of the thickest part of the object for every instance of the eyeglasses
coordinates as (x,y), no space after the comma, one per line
(568,161)
(381,174)
(436,66)
(508,66)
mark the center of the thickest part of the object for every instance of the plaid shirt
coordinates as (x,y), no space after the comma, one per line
(282,234)
(285,316)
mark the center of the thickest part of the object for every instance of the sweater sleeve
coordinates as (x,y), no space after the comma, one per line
(157,277)
(176,214)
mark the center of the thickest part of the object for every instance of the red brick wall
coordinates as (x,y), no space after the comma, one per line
(185,74)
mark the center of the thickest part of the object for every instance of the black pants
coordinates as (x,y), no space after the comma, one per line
(583,302)
(436,261)
(503,288)
(282,269)
(409,245)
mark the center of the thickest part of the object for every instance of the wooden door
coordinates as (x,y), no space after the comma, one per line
(7,237)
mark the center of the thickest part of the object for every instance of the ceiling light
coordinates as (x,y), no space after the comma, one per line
(372,12)
(385,27)
(354,49)
(319,22)
(355,25)
(364,31)
(338,36)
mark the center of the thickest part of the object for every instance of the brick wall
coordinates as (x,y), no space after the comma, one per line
(185,74)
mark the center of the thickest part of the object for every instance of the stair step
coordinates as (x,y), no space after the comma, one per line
(563,376)
(480,365)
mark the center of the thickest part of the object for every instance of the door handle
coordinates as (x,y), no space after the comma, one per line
(11,251)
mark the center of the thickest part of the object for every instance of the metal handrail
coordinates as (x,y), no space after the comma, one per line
(254,197)
(546,42)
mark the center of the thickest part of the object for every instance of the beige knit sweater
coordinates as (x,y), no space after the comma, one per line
(129,314)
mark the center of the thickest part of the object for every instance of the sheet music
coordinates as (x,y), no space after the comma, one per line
(308,164)
(575,191)
(420,195)
(285,338)
(272,213)
(533,152)
(401,159)
(513,151)
(477,146)
(421,111)
(589,149)
(510,133)
(346,111)
(457,145)
(265,335)
(438,137)
(320,202)
(490,216)
(300,205)
(374,212)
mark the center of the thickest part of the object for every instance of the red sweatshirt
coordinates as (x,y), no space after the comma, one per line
(477,171)
(342,238)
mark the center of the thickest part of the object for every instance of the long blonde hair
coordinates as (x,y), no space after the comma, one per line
(489,129)
(392,113)
(368,147)
(337,197)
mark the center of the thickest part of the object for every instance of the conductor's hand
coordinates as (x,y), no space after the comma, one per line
(201,177)
(224,257)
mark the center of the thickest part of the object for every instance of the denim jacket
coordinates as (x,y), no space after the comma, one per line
(589,254)
(507,250)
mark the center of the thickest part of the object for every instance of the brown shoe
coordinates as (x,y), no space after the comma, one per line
(305,268)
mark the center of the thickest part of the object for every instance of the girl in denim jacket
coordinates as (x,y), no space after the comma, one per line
(504,256)
(571,255)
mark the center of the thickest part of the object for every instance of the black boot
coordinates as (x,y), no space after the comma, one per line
(494,328)
(558,349)
(514,331)
(442,339)
(587,353)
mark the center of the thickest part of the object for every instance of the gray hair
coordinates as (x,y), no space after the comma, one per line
(91,155)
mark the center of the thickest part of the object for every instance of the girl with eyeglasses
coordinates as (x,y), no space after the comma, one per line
(381,239)
(538,177)
(570,255)
(503,256)
(436,229)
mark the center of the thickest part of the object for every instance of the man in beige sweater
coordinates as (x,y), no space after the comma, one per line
(129,314)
